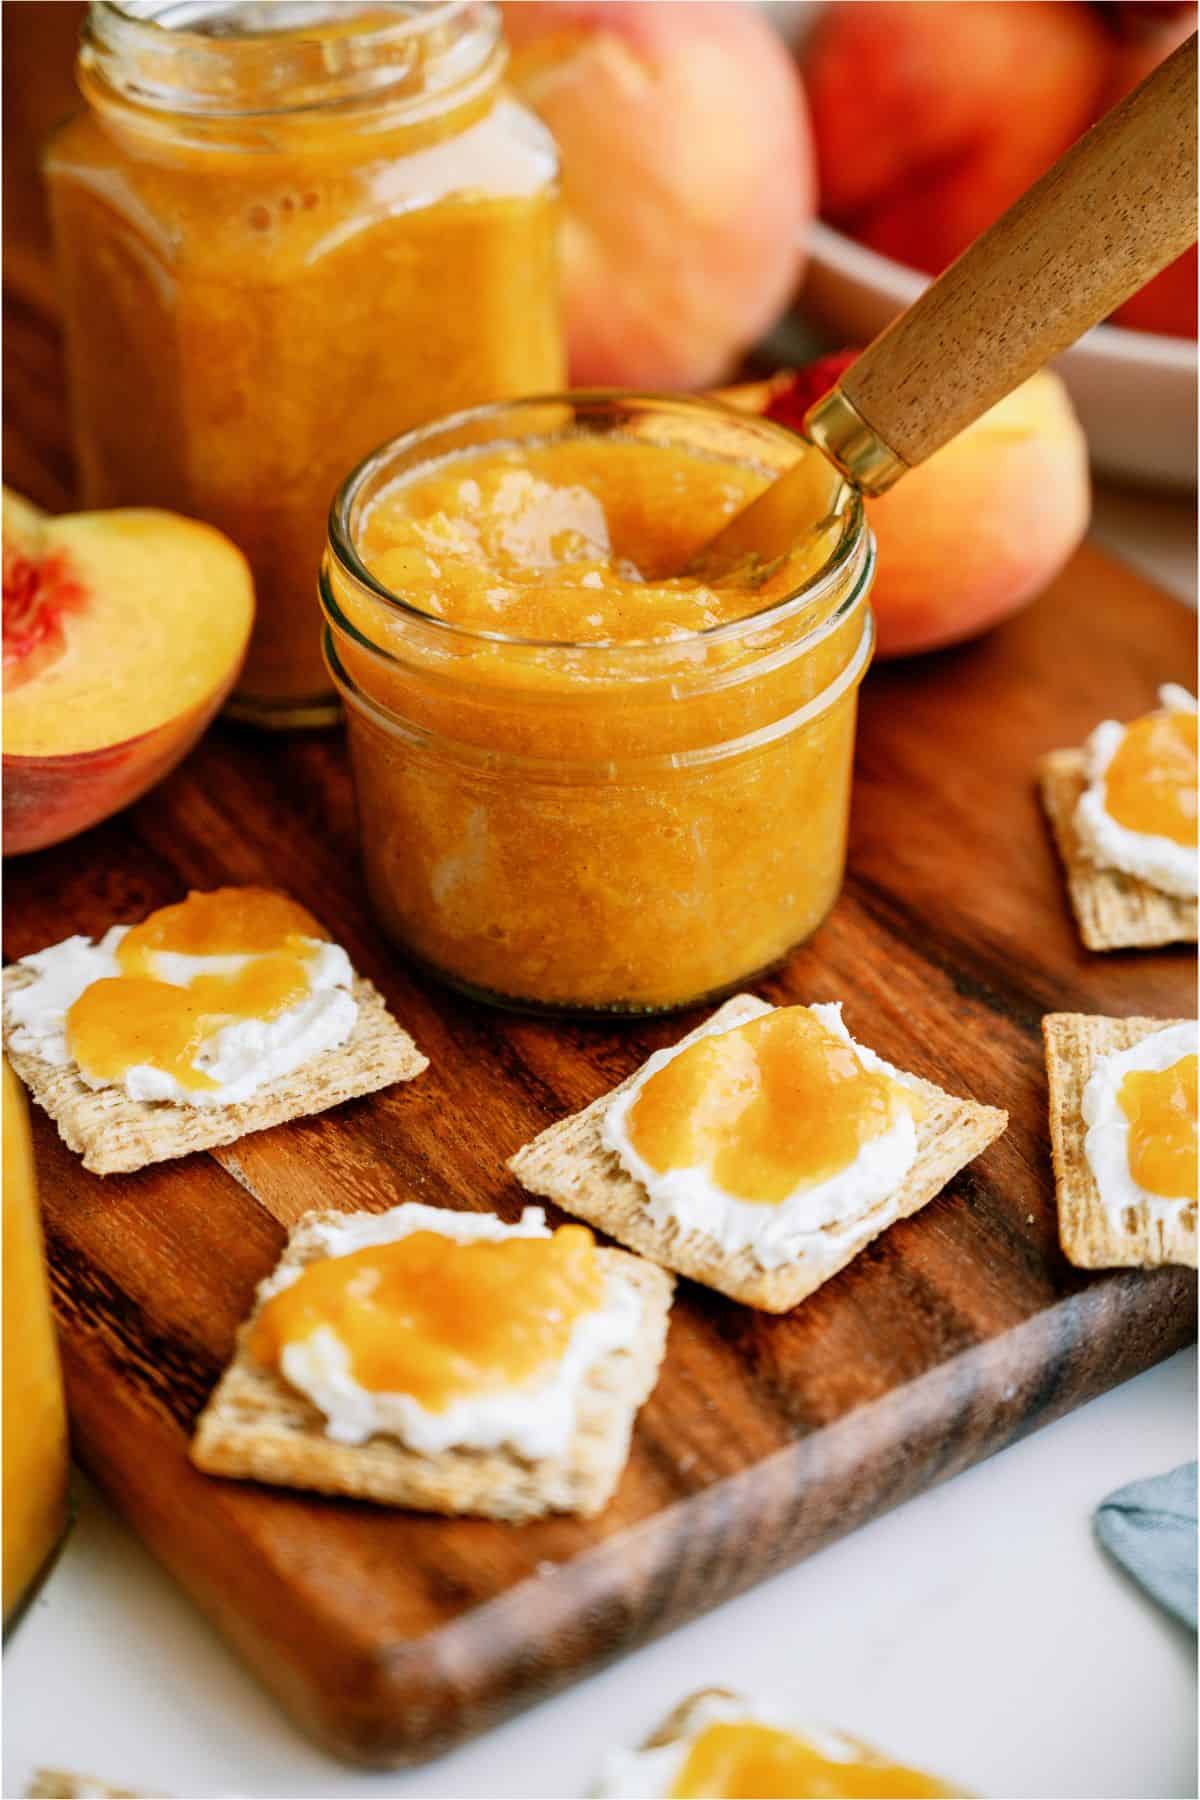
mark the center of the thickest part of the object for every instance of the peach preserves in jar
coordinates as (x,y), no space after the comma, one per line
(284,233)
(586,781)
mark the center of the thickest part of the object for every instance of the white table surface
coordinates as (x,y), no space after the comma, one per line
(978,1630)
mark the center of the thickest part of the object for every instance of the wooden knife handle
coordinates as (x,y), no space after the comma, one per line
(1118,207)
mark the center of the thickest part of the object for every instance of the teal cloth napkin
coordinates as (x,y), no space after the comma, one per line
(1150,1527)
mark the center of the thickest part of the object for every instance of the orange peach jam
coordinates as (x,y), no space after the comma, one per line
(232,921)
(284,233)
(1150,784)
(1160,1105)
(585,780)
(743,1760)
(440,1320)
(138,1017)
(774,1105)
(581,540)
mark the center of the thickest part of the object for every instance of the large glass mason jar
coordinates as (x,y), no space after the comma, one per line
(600,826)
(286,231)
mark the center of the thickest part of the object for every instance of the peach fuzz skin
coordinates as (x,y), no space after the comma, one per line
(687,176)
(930,119)
(980,529)
(48,799)
(130,673)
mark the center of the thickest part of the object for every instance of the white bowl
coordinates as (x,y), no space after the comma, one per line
(1135,392)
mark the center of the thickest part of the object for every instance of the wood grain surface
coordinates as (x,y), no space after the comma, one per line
(1118,207)
(389,1636)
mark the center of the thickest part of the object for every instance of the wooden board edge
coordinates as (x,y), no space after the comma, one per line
(409,1701)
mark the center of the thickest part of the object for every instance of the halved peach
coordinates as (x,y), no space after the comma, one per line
(123,633)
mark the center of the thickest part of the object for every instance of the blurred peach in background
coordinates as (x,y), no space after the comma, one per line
(698,148)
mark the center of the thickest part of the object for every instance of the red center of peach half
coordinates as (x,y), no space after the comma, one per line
(37,593)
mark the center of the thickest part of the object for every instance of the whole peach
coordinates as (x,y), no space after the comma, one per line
(687,179)
(977,531)
(931,116)
(981,528)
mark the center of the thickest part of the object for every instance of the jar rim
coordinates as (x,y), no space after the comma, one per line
(173,16)
(295,63)
(816,587)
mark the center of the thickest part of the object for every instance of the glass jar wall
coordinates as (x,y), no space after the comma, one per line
(286,232)
(599,826)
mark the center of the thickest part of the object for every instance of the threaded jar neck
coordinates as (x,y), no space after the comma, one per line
(234,60)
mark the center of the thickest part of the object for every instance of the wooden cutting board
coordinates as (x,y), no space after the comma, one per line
(388,1635)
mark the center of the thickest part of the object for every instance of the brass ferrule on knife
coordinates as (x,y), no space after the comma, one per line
(835,425)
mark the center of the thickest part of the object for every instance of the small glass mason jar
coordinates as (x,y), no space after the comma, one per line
(580,827)
(285,232)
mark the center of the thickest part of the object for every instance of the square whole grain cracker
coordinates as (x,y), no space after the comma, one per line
(257,1427)
(1114,911)
(1091,1238)
(116,1135)
(569,1164)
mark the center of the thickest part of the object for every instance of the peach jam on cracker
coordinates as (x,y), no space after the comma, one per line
(744,1757)
(1139,1107)
(1138,812)
(717,1744)
(767,1109)
(203,1002)
(586,780)
(439,1320)
(1160,1106)
(445,1330)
